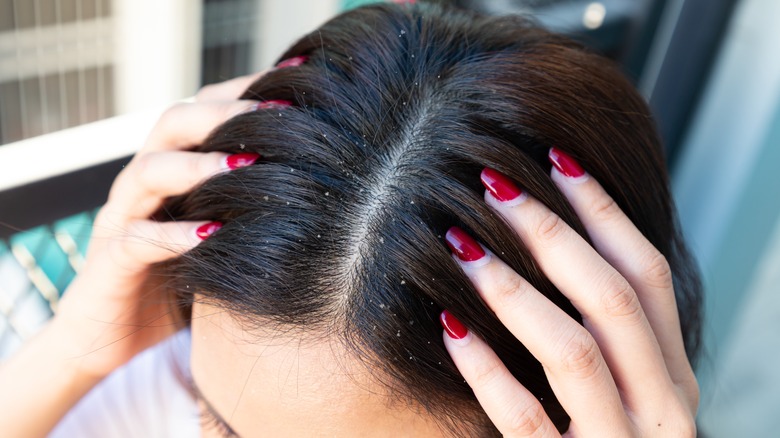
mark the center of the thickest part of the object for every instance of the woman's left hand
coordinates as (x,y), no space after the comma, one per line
(625,373)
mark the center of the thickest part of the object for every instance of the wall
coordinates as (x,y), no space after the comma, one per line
(727,186)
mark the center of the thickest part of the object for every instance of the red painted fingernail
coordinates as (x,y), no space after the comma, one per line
(273,104)
(241,160)
(208,229)
(565,164)
(466,248)
(295,61)
(499,185)
(454,328)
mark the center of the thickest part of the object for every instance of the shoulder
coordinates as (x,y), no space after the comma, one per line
(147,397)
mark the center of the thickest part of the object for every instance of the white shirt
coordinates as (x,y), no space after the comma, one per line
(145,398)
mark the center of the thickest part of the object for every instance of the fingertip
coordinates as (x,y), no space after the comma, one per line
(235,161)
(494,202)
(205,229)
(566,169)
(455,332)
(246,106)
(463,245)
(560,179)
(145,241)
(501,188)
(453,344)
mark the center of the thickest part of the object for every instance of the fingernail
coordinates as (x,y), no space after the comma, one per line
(295,61)
(499,185)
(565,164)
(454,328)
(466,248)
(251,108)
(240,160)
(208,229)
(273,104)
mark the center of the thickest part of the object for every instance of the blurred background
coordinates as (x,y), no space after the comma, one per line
(82,81)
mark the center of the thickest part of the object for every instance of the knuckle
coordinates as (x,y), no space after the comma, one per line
(229,110)
(122,179)
(488,373)
(655,270)
(172,114)
(109,220)
(551,229)
(196,167)
(688,427)
(605,209)
(142,171)
(694,393)
(620,301)
(205,92)
(134,230)
(142,164)
(102,215)
(113,192)
(202,166)
(682,422)
(527,420)
(510,287)
(580,355)
(690,389)
(104,224)
(119,254)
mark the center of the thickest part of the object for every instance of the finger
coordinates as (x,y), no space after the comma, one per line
(510,406)
(228,90)
(146,242)
(571,358)
(187,124)
(143,185)
(622,245)
(609,306)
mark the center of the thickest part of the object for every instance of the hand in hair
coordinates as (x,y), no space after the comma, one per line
(625,373)
(107,316)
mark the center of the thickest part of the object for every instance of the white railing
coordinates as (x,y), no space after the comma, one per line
(73,149)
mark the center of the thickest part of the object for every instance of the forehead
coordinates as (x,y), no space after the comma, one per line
(233,358)
(264,382)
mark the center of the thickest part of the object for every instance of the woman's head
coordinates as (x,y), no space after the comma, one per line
(332,264)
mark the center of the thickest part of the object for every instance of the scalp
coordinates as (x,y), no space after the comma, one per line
(337,230)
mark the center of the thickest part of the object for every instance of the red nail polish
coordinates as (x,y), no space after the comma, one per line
(499,185)
(241,160)
(295,61)
(466,248)
(565,164)
(273,104)
(454,328)
(208,229)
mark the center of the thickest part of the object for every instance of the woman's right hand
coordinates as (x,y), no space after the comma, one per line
(106,314)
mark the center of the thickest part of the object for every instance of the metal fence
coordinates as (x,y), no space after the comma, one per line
(35,267)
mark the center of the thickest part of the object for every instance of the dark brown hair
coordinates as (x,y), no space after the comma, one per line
(396,111)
